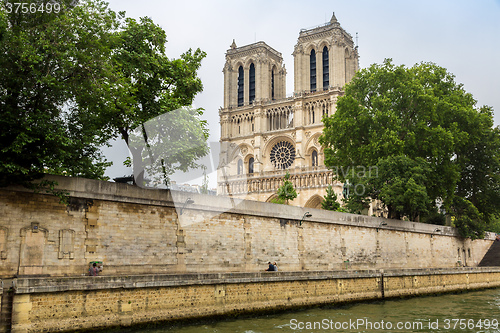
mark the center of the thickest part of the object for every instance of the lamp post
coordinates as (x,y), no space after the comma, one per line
(435,230)
(306,214)
(189,201)
(381,224)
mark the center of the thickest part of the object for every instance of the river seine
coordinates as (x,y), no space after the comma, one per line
(477,311)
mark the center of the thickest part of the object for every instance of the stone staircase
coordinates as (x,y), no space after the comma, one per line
(492,257)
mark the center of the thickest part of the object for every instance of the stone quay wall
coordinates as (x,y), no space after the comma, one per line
(136,231)
(82,303)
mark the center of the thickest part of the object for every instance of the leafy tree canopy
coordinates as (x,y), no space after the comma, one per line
(70,81)
(47,61)
(173,141)
(428,148)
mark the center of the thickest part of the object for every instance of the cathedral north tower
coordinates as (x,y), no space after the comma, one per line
(253,73)
(264,132)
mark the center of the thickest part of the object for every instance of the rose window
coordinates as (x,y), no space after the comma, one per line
(282,155)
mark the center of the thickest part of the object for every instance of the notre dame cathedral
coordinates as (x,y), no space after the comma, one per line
(266,133)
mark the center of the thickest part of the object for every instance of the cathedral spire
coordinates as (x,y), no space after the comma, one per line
(333,19)
(233,45)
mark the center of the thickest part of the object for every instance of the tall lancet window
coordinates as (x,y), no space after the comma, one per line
(312,71)
(251,93)
(326,74)
(272,84)
(314,158)
(240,86)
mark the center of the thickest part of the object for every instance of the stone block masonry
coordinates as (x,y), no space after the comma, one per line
(160,265)
(68,304)
(141,231)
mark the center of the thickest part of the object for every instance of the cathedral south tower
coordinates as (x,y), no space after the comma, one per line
(264,132)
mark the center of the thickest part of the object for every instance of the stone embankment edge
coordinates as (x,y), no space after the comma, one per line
(222,294)
(31,285)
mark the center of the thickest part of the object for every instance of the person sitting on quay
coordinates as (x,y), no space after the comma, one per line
(270,268)
(93,271)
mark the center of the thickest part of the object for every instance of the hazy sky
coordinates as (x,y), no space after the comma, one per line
(462,36)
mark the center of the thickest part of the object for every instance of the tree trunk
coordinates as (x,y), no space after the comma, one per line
(138,166)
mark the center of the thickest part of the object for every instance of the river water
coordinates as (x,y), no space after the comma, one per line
(477,311)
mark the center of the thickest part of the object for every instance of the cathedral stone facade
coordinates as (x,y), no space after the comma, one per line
(265,132)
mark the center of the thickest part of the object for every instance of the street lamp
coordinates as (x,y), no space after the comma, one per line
(381,224)
(306,214)
(189,201)
(435,230)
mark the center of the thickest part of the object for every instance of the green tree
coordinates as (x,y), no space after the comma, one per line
(399,182)
(147,85)
(71,81)
(495,225)
(47,61)
(286,192)
(433,150)
(173,141)
(330,200)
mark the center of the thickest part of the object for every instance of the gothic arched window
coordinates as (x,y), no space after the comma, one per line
(326,75)
(314,158)
(250,165)
(312,70)
(251,83)
(240,86)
